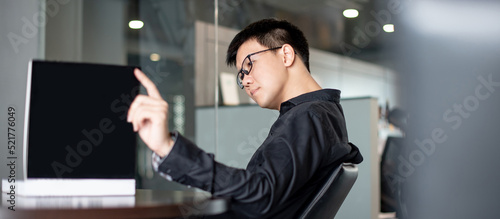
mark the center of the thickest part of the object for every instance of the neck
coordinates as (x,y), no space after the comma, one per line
(299,83)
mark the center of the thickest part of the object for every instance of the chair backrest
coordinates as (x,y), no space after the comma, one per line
(390,196)
(331,195)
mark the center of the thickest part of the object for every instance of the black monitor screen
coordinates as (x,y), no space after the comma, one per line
(77,126)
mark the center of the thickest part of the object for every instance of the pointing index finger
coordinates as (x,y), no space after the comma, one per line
(147,83)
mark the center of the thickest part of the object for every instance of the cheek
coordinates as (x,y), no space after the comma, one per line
(262,74)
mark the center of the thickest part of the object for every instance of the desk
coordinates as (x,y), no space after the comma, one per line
(145,204)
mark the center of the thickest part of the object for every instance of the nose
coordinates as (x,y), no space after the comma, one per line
(247,80)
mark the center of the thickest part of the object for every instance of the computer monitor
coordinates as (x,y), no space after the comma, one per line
(75,125)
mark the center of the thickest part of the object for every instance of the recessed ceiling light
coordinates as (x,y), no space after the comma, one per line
(389,28)
(154,57)
(135,24)
(350,13)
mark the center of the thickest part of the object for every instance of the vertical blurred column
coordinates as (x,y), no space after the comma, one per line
(103,32)
(87,31)
(63,34)
(449,60)
(179,113)
(21,25)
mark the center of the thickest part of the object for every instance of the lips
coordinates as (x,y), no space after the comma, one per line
(252,92)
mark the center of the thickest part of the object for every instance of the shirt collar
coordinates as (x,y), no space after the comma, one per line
(331,95)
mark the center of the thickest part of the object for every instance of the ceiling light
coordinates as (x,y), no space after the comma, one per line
(350,13)
(389,28)
(154,57)
(135,24)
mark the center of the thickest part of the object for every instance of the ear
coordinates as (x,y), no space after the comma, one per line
(288,55)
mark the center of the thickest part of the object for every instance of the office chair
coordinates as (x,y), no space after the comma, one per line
(326,203)
(389,182)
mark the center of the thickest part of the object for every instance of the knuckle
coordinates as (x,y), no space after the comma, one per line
(164,103)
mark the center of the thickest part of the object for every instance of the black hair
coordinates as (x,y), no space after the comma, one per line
(270,33)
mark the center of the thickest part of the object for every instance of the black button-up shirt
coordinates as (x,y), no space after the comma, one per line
(308,140)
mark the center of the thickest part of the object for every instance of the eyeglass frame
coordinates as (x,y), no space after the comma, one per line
(245,72)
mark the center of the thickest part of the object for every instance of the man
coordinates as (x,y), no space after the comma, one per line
(306,142)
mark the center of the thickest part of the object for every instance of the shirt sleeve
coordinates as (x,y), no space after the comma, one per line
(157,160)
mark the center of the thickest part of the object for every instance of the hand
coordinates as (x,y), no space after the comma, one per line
(149,117)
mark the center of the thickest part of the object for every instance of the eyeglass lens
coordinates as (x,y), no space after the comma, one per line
(246,67)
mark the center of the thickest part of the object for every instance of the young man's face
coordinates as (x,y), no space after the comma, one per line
(266,80)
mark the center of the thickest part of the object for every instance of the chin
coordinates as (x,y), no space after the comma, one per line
(266,106)
(260,103)
(263,104)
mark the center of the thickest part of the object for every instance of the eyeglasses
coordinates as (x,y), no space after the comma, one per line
(246,66)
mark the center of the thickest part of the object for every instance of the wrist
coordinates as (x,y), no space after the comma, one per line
(169,144)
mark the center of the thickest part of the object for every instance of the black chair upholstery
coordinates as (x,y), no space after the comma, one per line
(332,194)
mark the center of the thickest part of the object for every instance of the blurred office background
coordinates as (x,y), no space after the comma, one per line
(433,64)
